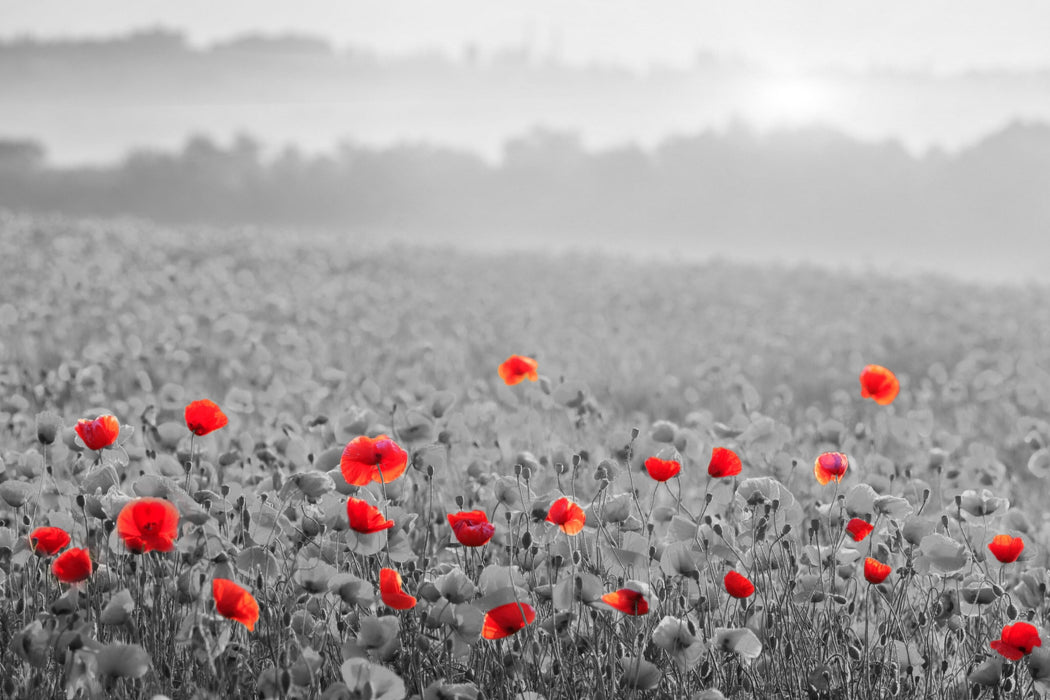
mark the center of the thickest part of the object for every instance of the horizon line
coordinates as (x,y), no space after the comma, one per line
(530,52)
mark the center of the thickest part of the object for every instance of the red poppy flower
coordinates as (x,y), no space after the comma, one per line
(365,517)
(48,540)
(390,591)
(738,585)
(504,620)
(235,603)
(1006,548)
(99,433)
(1017,639)
(662,469)
(148,524)
(627,601)
(875,571)
(880,384)
(517,369)
(830,465)
(724,462)
(204,416)
(567,515)
(859,529)
(72,565)
(471,527)
(377,459)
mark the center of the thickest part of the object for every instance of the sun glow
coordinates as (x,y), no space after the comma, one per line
(793,99)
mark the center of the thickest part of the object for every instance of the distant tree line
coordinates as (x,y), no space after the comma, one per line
(814,185)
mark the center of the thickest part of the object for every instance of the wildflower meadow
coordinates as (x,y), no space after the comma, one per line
(234,465)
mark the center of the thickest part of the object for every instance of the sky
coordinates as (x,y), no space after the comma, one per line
(933,35)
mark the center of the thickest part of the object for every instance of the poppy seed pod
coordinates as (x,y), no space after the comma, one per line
(47,425)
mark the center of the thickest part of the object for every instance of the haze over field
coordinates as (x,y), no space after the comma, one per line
(93,100)
(875,134)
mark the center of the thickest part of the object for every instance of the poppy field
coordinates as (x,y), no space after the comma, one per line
(239,464)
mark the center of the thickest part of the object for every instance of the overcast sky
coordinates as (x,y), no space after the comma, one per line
(941,35)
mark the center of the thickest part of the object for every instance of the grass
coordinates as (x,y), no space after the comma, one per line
(306,345)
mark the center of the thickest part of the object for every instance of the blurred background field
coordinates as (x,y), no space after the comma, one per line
(128,315)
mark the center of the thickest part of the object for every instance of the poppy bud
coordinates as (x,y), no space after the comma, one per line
(47,424)
(526,539)
(708,497)
(526,474)
(576,559)
(1011,611)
